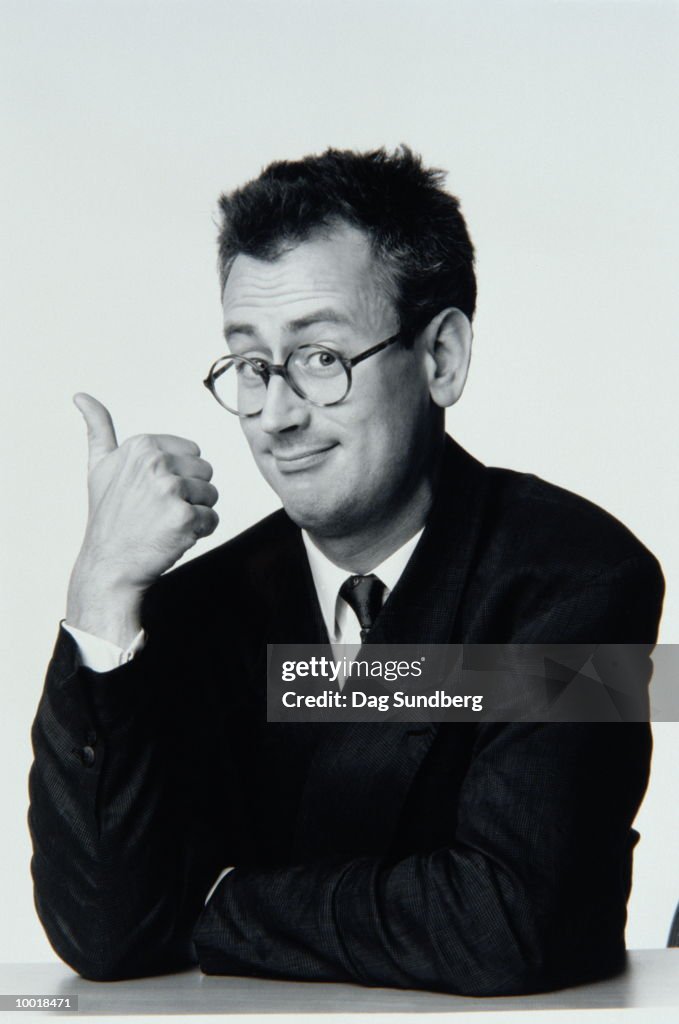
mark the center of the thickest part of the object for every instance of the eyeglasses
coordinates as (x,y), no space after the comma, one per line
(316,373)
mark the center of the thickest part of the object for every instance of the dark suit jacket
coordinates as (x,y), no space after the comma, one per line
(473,858)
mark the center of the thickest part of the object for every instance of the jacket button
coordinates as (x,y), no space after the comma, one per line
(87,754)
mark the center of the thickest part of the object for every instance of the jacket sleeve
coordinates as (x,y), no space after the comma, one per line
(532,893)
(123,853)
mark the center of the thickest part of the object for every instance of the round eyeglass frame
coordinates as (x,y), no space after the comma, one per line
(269,370)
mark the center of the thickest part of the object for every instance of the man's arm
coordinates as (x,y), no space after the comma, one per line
(532,893)
(123,856)
(133,807)
(119,879)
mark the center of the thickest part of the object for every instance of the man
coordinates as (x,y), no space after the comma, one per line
(480,859)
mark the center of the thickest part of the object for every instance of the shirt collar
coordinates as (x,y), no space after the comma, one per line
(328,577)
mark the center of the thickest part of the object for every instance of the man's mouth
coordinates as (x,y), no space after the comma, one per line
(296,459)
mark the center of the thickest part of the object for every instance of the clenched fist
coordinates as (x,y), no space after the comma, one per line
(150,499)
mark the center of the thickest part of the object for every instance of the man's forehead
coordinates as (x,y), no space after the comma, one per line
(331,271)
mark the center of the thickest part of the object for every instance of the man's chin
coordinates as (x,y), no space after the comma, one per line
(313,521)
(317,520)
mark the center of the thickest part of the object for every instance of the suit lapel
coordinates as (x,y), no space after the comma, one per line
(361,773)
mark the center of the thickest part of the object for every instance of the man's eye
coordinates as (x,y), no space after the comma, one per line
(321,361)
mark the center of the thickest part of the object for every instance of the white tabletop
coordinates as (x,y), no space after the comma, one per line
(648,991)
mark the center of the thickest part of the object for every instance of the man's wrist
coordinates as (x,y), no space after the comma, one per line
(110,611)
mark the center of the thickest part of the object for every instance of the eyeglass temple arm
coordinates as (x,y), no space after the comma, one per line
(375,348)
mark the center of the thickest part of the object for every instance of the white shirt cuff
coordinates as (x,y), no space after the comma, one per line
(102,655)
(222,875)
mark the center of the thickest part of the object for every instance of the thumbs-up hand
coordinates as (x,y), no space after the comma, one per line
(150,499)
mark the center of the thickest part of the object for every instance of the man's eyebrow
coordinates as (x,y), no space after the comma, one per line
(326,316)
(320,316)
(230,329)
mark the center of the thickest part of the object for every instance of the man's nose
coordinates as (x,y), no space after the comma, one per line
(283,408)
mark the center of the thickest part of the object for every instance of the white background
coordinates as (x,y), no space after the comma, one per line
(123,122)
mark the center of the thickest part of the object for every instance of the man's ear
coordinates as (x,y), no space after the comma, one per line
(448,347)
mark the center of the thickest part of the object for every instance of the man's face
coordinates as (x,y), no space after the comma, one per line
(343,468)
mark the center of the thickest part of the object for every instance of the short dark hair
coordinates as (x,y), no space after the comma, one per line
(415,227)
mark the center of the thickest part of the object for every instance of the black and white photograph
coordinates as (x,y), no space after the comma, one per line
(347,331)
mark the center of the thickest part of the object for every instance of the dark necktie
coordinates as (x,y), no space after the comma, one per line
(365,595)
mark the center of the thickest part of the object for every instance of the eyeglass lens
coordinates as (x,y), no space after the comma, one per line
(317,373)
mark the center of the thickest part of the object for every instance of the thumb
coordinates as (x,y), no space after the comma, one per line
(101,435)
